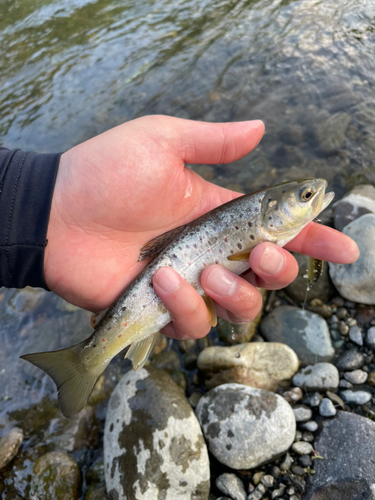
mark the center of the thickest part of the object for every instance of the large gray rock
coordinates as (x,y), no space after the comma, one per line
(359,201)
(264,365)
(355,282)
(347,444)
(153,444)
(245,427)
(305,332)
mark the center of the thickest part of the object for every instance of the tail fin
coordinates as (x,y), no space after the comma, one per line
(73,380)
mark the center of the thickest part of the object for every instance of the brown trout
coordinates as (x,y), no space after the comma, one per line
(225,235)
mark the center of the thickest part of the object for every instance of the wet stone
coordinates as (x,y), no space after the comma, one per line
(231,485)
(356,397)
(302,448)
(167,360)
(326,408)
(258,493)
(371,379)
(370,337)
(356,377)
(319,377)
(245,427)
(350,360)
(330,133)
(263,365)
(293,395)
(9,446)
(153,444)
(56,476)
(302,414)
(311,426)
(305,461)
(279,492)
(355,335)
(344,384)
(267,480)
(347,472)
(287,462)
(305,332)
(190,360)
(355,281)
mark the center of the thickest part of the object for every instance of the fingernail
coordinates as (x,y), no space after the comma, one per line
(221,281)
(272,260)
(167,279)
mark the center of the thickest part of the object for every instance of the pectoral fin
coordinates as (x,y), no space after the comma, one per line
(212,316)
(241,256)
(139,352)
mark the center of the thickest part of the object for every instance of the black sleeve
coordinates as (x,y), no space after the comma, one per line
(27,181)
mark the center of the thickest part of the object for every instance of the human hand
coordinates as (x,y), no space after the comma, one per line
(120,189)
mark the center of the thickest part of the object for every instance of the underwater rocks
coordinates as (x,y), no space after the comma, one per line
(245,427)
(264,365)
(305,332)
(347,471)
(9,445)
(153,442)
(330,133)
(355,282)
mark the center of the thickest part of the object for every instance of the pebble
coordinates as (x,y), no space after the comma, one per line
(371,379)
(314,399)
(275,471)
(296,469)
(359,201)
(355,282)
(343,328)
(298,436)
(257,477)
(302,413)
(231,485)
(286,463)
(308,437)
(335,399)
(357,398)
(279,492)
(9,445)
(55,476)
(305,332)
(352,321)
(318,377)
(262,365)
(350,360)
(356,377)
(341,313)
(311,426)
(326,408)
(257,493)
(268,480)
(355,335)
(370,337)
(347,472)
(305,461)
(335,334)
(167,360)
(293,395)
(245,427)
(302,448)
(330,132)
(153,443)
(344,384)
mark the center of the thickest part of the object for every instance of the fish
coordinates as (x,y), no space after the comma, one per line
(225,235)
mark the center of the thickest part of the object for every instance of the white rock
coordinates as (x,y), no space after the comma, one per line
(319,377)
(326,408)
(356,377)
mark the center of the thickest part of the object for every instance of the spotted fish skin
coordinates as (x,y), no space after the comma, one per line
(275,214)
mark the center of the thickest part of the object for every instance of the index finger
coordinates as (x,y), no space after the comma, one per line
(325,243)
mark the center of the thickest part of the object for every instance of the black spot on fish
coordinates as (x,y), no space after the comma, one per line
(94,345)
(231,251)
(123,308)
(271,225)
(250,224)
(187,246)
(180,248)
(220,250)
(269,199)
(144,305)
(256,209)
(174,256)
(216,262)
(111,428)
(252,237)
(226,240)
(283,192)
(239,246)
(270,218)
(236,227)
(195,246)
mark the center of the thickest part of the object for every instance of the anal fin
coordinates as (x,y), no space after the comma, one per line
(212,316)
(139,352)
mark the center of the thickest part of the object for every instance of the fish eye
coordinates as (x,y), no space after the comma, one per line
(306,194)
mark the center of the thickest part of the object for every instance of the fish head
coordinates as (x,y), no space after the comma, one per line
(287,208)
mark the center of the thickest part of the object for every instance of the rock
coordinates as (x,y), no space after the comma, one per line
(356,398)
(335,399)
(305,332)
(323,289)
(302,448)
(314,399)
(263,365)
(279,492)
(302,414)
(152,441)
(355,335)
(356,377)
(344,384)
(258,493)
(347,471)
(9,445)
(231,485)
(292,134)
(96,494)
(370,337)
(286,463)
(245,427)
(267,480)
(326,408)
(371,379)
(359,201)
(294,395)
(308,436)
(167,360)
(305,460)
(160,344)
(320,377)
(350,360)
(179,377)
(311,426)
(355,281)
(330,133)
(56,476)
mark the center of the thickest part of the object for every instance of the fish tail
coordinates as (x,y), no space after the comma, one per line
(73,379)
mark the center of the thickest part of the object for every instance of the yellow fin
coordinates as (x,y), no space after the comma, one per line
(139,352)
(241,256)
(97,317)
(212,317)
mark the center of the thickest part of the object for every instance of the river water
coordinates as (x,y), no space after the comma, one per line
(70,69)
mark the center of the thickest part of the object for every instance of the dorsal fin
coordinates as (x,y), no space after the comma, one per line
(155,246)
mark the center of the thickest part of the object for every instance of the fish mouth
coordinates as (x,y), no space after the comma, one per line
(328,197)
